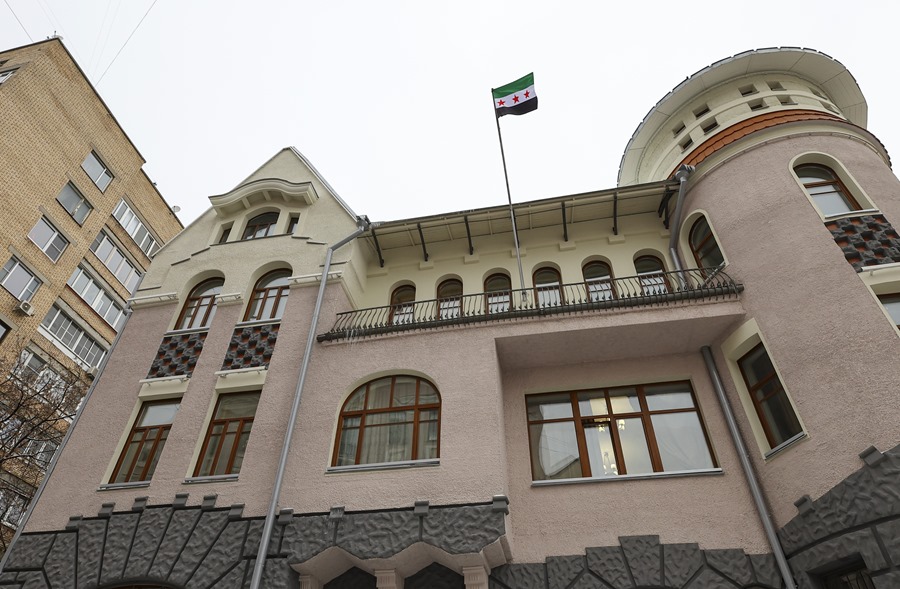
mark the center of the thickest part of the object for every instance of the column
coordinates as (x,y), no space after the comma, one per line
(475,577)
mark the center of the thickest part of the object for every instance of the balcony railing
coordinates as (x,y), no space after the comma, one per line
(657,288)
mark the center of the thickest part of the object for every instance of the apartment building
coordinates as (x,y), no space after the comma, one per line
(81,221)
(690,385)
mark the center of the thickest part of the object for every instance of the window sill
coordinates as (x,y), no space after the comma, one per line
(849,214)
(383,466)
(132,485)
(630,477)
(255,322)
(789,443)
(220,478)
(175,332)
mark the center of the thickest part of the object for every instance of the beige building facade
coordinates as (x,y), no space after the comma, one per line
(81,222)
(690,386)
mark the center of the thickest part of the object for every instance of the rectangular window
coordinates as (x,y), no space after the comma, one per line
(19,280)
(145,443)
(113,258)
(48,238)
(226,439)
(891,303)
(12,507)
(135,228)
(4,330)
(226,232)
(6,75)
(611,432)
(74,203)
(72,337)
(94,294)
(39,452)
(97,171)
(773,407)
(49,384)
(292,225)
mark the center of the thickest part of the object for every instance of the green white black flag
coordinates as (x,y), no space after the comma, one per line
(515,98)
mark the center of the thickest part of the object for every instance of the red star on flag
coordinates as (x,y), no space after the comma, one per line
(516,98)
(501,103)
(527,93)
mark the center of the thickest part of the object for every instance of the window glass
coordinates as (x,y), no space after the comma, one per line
(48,238)
(115,261)
(200,308)
(228,434)
(449,294)
(74,203)
(399,421)
(18,280)
(129,221)
(891,303)
(94,293)
(269,297)
(598,279)
(620,429)
(547,287)
(146,442)
(403,305)
(72,337)
(703,245)
(773,408)
(826,189)
(498,291)
(97,171)
(260,226)
(650,271)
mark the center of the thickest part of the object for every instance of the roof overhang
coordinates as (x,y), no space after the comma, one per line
(266,190)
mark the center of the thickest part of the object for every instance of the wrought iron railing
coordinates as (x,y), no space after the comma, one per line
(657,288)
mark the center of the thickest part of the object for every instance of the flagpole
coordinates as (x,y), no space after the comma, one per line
(512,215)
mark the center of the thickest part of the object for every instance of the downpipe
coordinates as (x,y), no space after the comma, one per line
(752,482)
(682,175)
(363,225)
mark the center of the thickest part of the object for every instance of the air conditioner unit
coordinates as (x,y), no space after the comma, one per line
(26,308)
(92,371)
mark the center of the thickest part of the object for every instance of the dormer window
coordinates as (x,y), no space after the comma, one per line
(260,226)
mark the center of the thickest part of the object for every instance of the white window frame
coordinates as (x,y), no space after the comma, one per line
(4,76)
(133,274)
(133,226)
(70,329)
(81,210)
(115,311)
(103,174)
(57,234)
(34,283)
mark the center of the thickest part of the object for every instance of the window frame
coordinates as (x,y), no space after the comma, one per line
(545,291)
(156,448)
(83,204)
(416,407)
(650,285)
(850,200)
(105,171)
(52,241)
(224,422)
(591,284)
(34,279)
(497,300)
(7,74)
(133,225)
(645,414)
(209,300)
(96,304)
(696,248)
(887,301)
(760,414)
(253,227)
(403,311)
(449,305)
(133,275)
(262,295)
(81,335)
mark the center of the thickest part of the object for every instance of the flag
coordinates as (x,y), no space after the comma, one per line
(516,98)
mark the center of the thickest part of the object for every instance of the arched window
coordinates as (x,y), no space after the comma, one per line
(497,293)
(598,281)
(449,295)
(269,296)
(651,274)
(389,419)
(403,305)
(826,190)
(260,226)
(200,306)
(703,245)
(547,287)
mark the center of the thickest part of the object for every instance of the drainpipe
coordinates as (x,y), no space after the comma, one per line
(363,225)
(684,171)
(755,490)
(62,444)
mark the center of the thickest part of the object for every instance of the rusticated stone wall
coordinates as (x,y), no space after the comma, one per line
(251,347)
(177,355)
(868,240)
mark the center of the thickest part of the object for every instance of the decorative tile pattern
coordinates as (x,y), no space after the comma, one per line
(177,355)
(868,240)
(251,347)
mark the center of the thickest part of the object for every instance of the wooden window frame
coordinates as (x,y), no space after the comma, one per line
(889,298)
(662,273)
(417,408)
(449,306)
(158,443)
(402,312)
(499,292)
(195,302)
(224,422)
(757,403)
(836,182)
(588,282)
(264,293)
(541,288)
(645,415)
(254,226)
(697,247)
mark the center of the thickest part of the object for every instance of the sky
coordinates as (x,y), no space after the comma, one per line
(390,100)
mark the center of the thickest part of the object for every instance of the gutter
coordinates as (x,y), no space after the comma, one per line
(362,225)
(755,490)
(87,396)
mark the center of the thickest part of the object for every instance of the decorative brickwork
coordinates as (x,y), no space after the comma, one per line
(177,355)
(251,347)
(868,240)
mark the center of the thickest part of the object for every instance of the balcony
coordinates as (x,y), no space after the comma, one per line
(594,296)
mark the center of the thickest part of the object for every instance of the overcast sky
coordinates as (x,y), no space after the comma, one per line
(391,100)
